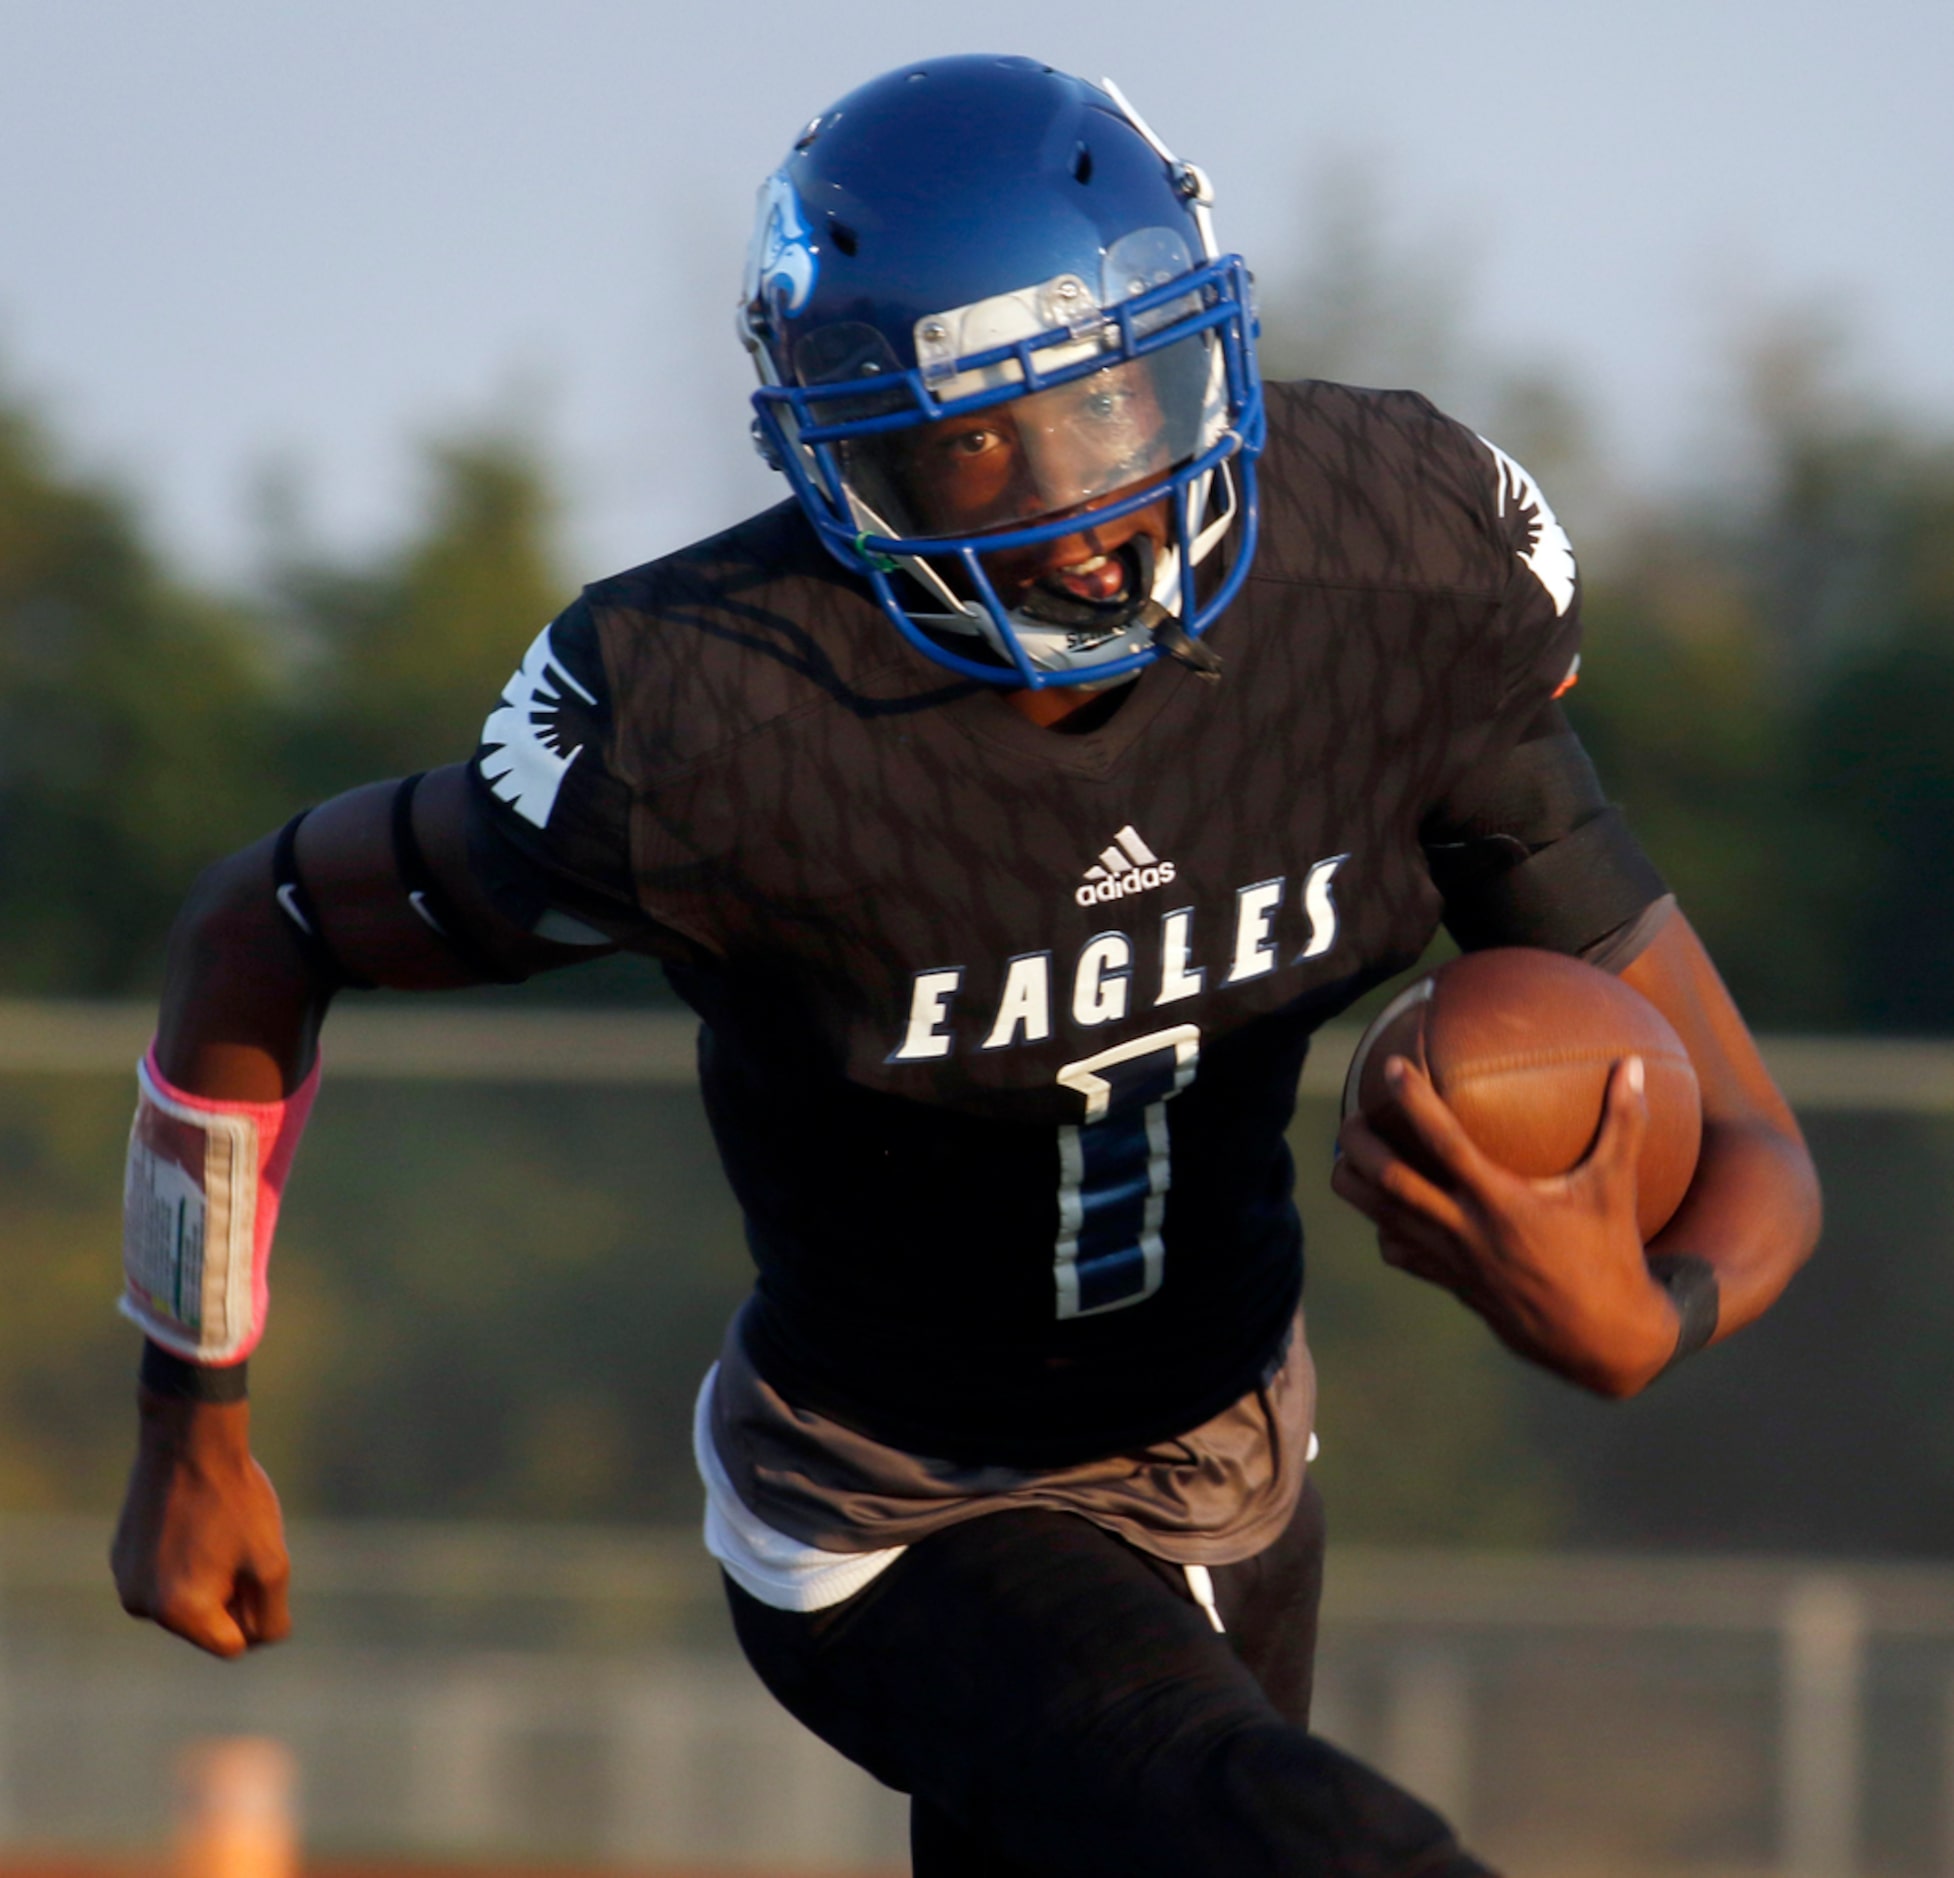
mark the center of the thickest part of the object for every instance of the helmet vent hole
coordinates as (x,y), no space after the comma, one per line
(842,235)
(1082,164)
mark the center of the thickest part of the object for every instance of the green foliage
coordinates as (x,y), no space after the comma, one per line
(147,728)
(1880,767)
(132,740)
(1771,693)
(409,654)
(1877,731)
(1691,722)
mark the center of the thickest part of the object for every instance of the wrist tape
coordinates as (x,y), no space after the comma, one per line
(1692,1286)
(199,1205)
(177,1381)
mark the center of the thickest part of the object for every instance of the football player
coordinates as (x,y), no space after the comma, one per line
(1011,804)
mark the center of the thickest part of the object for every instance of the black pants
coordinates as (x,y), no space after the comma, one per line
(1055,1702)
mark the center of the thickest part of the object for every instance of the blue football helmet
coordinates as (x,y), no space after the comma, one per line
(988,314)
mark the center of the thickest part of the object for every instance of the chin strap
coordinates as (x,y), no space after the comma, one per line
(1172,638)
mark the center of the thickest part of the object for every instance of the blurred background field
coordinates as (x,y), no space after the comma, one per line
(1711,1631)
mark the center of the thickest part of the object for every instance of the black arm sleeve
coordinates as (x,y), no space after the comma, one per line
(1527,851)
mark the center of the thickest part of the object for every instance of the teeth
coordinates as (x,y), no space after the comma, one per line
(1087,567)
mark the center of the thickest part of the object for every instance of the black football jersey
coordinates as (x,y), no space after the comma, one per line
(1002,1025)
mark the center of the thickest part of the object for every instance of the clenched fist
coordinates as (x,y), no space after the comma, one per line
(200,1546)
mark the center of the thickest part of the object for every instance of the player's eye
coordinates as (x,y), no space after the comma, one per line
(1105,404)
(973,442)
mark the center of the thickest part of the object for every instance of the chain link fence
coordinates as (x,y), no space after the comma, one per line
(461,1692)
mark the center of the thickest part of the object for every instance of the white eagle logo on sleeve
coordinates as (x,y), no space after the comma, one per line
(524,761)
(1549,554)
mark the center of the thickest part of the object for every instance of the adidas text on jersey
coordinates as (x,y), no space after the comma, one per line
(1125,866)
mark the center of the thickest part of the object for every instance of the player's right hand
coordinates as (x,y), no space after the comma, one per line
(1556,1266)
(200,1546)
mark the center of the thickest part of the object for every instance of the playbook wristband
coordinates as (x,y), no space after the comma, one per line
(200,1205)
(169,1376)
(1692,1286)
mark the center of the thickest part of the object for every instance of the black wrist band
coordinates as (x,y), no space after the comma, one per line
(170,1376)
(1692,1286)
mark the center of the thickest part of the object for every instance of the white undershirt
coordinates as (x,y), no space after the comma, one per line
(789,1576)
(766,1564)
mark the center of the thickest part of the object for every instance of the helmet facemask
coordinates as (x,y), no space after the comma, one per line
(1124,405)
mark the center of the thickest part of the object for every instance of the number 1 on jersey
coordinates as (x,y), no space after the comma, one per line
(1114,1170)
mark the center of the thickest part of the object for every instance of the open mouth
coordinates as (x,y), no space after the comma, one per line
(1100,593)
(1101,581)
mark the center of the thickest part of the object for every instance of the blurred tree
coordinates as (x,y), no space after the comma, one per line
(1687,712)
(1371,301)
(1364,303)
(146,728)
(1770,690)
(1829,540)
(409,654)
(133,739)
(1852,558)
(1879,767)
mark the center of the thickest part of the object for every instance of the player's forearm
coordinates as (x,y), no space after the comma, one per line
(1752,1212)
(222,1100)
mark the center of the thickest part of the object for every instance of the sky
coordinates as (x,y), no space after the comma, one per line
(247,238)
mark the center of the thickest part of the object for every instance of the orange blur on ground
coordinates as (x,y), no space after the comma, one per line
(237,1817)
(164,1867)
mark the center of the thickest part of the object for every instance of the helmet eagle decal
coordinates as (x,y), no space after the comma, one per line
(782,267)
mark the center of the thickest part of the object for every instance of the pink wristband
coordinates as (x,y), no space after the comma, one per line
(199,1206)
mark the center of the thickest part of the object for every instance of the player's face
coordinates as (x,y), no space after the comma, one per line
(1064,451)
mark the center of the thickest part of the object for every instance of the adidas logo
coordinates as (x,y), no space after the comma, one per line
(1126,866)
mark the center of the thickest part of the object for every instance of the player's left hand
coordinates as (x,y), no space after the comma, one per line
(1555,1266)
(200,1546)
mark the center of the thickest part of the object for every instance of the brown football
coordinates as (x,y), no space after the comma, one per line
(1520,1043)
